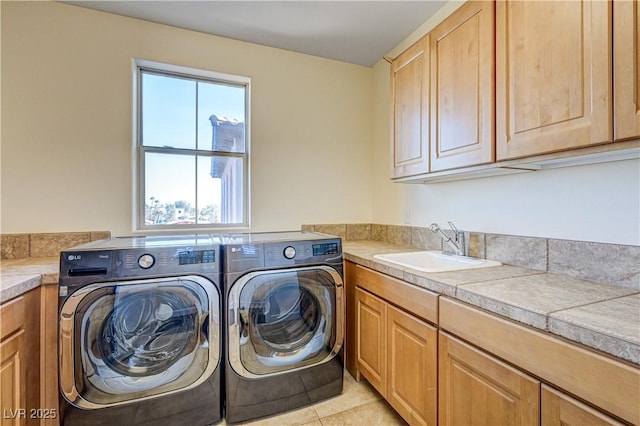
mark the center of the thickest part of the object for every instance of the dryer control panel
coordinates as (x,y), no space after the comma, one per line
(302,252)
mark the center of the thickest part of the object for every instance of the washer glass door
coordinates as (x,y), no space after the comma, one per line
(284,320)
(134,340)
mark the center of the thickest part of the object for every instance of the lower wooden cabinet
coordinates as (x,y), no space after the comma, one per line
(13,379)
(477,389)
(371,338)
(20,360)
(391,343)
(437,360)
(412,367)
(397,354)
(559,409)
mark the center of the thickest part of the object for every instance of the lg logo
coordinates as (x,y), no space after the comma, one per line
(74,257)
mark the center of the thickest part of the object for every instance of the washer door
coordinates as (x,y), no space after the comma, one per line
(284,320)
(126,341)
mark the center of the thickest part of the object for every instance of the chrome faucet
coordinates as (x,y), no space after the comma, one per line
(456,243)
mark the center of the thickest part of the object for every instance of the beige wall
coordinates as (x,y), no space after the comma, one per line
(67,121)
(320,150)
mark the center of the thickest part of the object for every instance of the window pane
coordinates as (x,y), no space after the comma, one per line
(168,111)
(220,190)
(221,114)
(170,182)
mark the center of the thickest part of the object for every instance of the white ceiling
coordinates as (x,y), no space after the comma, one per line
(359,32)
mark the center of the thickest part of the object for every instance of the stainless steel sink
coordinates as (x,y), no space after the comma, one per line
(435,261)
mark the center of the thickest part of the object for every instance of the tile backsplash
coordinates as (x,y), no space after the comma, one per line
(607,263)
(23,246)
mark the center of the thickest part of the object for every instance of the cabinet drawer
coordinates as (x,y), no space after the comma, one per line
(420,302)
(559,409)
(478,389)
(609,384)
(11,316)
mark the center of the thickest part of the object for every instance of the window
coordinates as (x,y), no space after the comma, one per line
(192,139)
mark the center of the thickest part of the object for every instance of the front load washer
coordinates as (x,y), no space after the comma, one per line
(140,331)
(284,323)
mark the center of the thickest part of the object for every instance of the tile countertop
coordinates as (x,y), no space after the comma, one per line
(601,316)
(19,276)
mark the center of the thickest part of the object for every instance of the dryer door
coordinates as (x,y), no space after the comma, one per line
(284,320)
(127,341)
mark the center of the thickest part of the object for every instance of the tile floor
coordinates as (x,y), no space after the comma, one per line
(359,404)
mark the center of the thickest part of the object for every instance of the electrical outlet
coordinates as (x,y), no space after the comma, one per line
(407,217)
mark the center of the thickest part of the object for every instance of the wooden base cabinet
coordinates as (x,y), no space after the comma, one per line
(20,361)
(397,354)
(603,382)
(559,409)
(477,389)
(13,379)
(394,349)
(411,367)
(371,318)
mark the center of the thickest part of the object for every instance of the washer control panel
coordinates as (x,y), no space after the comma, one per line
(146,261)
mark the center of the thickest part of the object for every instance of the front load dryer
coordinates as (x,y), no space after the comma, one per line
(140,332)
(284,322)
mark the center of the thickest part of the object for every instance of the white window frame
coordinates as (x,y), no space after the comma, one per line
(138,199)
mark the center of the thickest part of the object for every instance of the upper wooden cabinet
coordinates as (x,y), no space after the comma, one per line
(462,88)
(626,68)
(553,76)
(410,111)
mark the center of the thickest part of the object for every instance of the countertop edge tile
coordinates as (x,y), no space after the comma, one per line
(499,307)
(428,283)
(612,345)
(17,285)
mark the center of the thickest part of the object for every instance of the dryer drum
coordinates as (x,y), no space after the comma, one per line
(147,332)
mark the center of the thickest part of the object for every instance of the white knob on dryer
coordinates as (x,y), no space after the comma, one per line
(146,261)
(289,252)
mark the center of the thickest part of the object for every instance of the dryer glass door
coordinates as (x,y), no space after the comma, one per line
(284,320)
(134,340)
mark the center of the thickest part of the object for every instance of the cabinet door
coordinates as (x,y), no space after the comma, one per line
(410,111)
(412,367)
(477,389)
(553,76)
(559,409)
(626,57)
(13,380)
(371,340)
(462,88)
